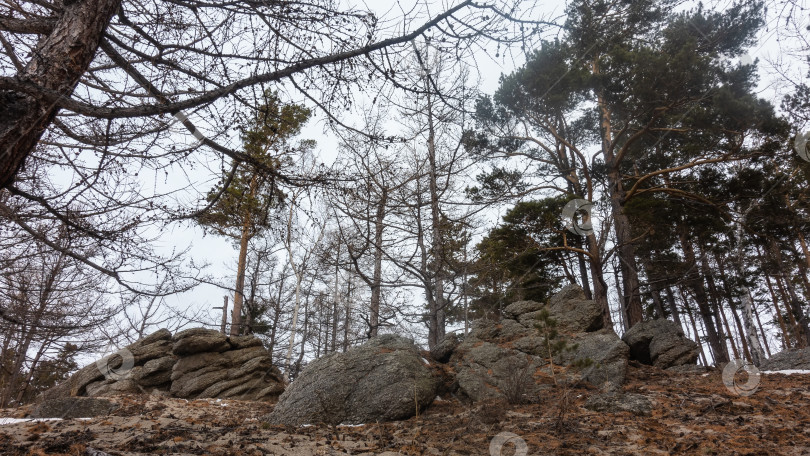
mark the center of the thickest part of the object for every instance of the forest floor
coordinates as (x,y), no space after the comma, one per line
(691,414)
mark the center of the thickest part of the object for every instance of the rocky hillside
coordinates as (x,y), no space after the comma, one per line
(687,413)
(548,378)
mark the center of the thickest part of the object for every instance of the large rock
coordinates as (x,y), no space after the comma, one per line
(569,309)
(153,346)
(792,358)
(660,343)
(194,363)
(600,356)
(385,379)
(485,370)
(496,358)
(516,309)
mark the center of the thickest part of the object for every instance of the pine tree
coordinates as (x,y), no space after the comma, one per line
(242,205)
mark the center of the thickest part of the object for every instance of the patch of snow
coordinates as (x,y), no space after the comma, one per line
(788,371)
(350,425)
(4,421)
(705,375)
(426,361)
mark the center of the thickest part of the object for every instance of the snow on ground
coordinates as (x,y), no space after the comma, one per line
(4,421)
(789,372)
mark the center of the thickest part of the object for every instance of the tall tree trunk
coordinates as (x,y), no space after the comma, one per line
(745,334)
(717,302)
(673,306)
(376,281)
(761,329)
(56,66)
(802,320)
(583,270)
(336,302)
(775,301)
(347,311)
(626,252)
(236,316)
(622,308)
(694,327)
(437,311)
(803,243)
(695,282)
(655,289)
(600,287)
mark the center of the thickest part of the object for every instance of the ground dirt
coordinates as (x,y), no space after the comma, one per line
(691,414)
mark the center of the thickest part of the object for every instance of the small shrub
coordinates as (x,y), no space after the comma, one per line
(517,386)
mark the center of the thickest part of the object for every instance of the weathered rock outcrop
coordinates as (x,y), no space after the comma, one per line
(195,363)
(101,377)
(385,379)
(660,343)
(495,359)
(792,358)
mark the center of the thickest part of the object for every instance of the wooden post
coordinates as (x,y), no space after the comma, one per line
(224,315)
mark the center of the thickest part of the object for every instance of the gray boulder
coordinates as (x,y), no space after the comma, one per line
(490,371)
(569,308)
(516,309)
(570,292)
(74,407)
(792,358)
(660,343)
(497,358)
(385,379)
(600,357)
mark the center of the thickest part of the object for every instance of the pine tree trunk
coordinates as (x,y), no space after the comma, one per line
(583,271)
(694,328)
(803,243)
(600,287)
(236,316)
(695,282)
(56,66)
(761,330)
(775,301)
(800,318)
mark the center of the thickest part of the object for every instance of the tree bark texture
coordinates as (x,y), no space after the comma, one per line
(61,58)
